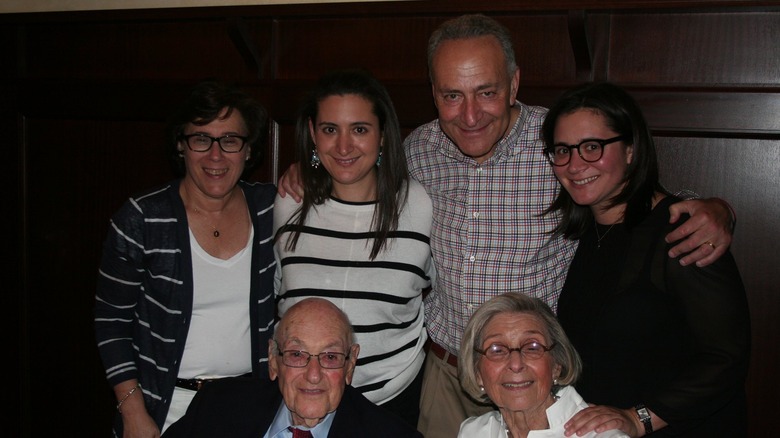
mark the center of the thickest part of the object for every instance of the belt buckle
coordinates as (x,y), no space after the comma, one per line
(199,383)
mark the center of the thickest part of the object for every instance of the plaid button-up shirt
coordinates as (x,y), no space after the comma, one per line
(489,234)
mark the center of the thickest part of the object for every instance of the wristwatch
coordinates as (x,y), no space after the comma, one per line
(644,417)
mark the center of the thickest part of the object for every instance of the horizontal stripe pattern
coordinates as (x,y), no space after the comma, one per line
(381,297)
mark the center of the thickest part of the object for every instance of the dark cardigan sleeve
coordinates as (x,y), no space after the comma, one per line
(715,307)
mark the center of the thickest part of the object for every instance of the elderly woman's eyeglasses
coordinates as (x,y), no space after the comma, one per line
(590,150)
(500,352)
(201,142)
(300,359)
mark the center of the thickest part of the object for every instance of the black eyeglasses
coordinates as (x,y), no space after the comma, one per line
(590,150)
(530,350)
(300,359)
(201,142)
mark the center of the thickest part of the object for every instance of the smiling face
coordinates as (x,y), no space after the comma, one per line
(311,392)
(214,173)
(592,184)
(347,137)
(474,94)
(517,384)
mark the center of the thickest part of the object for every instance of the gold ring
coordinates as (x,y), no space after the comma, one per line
(709,243)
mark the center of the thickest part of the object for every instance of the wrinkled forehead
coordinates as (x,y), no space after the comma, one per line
(514,325)
(316,330)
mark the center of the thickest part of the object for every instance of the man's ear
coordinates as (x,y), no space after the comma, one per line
(351,362)
(514,87)
(273,370)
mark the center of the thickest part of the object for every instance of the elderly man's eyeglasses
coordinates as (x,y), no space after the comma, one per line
(500,352)
(300,359)
(590,150)
(201,142)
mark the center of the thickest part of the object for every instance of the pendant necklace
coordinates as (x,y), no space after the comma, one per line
(599,237)
(216,231)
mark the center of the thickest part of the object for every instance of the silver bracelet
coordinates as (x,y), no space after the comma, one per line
(129,393)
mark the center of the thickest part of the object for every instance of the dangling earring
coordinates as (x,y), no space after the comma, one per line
(482,388)
(315,159)
(379,159)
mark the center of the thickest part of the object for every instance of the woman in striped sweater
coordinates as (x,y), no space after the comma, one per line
(360,237)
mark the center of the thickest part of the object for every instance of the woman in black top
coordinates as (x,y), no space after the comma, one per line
(665,347)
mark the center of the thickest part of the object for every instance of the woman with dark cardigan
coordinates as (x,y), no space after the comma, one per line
(665,347)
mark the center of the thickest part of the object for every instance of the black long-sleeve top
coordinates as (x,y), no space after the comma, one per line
(652,331)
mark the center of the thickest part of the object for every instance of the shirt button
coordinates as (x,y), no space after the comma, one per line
(475,214)
(472,258)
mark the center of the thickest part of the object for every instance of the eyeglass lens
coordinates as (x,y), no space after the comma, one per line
(589,150)
(299,359)
(530,350)
(202,142)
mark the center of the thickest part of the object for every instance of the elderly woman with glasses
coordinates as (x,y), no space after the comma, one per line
(185,287)
(516,356)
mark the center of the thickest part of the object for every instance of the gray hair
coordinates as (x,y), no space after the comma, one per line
(472,26)
(563,354)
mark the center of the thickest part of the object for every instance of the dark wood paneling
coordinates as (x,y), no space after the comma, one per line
(696,49)
(747,173)
(87,94)
(188,50)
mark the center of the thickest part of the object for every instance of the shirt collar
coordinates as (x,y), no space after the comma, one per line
(283,420)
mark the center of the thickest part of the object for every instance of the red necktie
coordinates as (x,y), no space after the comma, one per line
(300,433)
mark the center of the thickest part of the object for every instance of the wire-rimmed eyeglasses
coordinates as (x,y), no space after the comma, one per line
(300,359)
(590,150)
(230,143)
(530,350)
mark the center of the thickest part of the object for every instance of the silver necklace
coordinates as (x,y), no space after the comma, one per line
(599,237)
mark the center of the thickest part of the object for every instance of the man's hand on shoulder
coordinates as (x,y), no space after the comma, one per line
(290,183)
(707,234)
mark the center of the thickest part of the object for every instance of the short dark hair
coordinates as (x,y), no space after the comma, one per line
(622,115)
(204,104)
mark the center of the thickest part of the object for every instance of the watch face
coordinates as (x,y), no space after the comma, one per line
(644,417)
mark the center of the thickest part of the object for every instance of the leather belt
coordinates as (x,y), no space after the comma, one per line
(441,353)
(197,384)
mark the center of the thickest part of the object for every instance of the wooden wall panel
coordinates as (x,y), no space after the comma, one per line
(696,49)
(747,174)
(87,94)
(171,50)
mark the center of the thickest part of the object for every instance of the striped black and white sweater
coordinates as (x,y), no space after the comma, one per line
(381,297)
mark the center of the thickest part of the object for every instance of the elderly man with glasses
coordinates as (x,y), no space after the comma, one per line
(311,357)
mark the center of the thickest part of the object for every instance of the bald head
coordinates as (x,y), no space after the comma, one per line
(309,329)
(334,320)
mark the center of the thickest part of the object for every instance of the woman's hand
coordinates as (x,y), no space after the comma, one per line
(139,425)
(290,183)
(707,233)
(602,418)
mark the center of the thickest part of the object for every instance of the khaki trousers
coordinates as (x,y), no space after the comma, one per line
(443,405)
